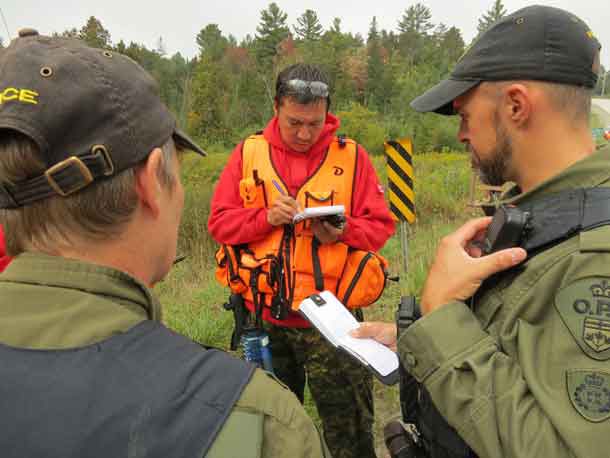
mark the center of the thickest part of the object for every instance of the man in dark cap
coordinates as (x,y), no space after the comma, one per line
(91,200)
(518,363)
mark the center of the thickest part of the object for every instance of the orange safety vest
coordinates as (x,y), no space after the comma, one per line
(290,264)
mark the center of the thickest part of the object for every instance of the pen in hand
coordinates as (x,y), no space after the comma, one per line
(284,193)
(278,187)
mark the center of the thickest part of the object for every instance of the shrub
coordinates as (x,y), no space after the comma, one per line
(364,126)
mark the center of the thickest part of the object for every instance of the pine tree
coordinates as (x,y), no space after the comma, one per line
(211,42)
(416,19)
(389,40)
(336,27)
(374,67)
(94,34)
(309,27)
(271,30)
(120,47)
(452,44)
(495,13)
(414,39)
(373,32)
(247,41)
(208,91)
(335,48)
(440,30)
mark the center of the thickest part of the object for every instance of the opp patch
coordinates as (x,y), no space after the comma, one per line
(584,307)
(589,392)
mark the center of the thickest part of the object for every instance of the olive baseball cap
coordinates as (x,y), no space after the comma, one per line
(92,113)
(535,43)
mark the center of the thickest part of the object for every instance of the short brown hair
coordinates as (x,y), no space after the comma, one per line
(98,212)
(573,101)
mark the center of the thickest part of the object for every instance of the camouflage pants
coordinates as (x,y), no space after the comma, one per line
(341,388)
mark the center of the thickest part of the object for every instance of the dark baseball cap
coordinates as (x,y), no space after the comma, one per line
(91,112)
(539,43)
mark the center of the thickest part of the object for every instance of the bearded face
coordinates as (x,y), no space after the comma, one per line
(493,166)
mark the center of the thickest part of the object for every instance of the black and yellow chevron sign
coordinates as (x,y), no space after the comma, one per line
(399,155)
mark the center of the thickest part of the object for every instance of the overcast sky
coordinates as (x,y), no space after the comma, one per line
(179,21)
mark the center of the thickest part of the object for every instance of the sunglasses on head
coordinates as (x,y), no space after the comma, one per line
(315,88)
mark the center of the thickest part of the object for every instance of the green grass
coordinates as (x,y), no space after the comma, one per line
(192,299)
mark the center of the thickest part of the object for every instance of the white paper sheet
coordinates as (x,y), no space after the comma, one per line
(334,321)
(315,212)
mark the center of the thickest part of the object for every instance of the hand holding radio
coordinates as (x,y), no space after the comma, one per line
(460,267)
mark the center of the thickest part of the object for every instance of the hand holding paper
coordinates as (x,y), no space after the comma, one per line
(384,333)
(335,322)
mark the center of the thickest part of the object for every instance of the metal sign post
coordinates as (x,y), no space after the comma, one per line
(399,156)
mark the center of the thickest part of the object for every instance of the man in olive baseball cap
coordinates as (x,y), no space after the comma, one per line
(90,203)
(512,351)
(538,43)
(92,113)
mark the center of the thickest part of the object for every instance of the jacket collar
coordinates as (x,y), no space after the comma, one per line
(54,271)
(589,172)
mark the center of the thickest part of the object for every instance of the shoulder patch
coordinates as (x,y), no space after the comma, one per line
(589,392)
(584,307)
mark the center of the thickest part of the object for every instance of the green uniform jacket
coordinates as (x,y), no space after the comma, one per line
(525,370)
(49,302)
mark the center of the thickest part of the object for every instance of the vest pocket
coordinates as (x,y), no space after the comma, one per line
(316,267)
(259,273)
(312,257)
(319,198)
(227,269)
(363,279)
(239,270)
(252,191)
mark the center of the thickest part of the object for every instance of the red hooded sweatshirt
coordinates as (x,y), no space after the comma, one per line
(368,227)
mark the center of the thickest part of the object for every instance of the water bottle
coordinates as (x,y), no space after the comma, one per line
(255,344)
